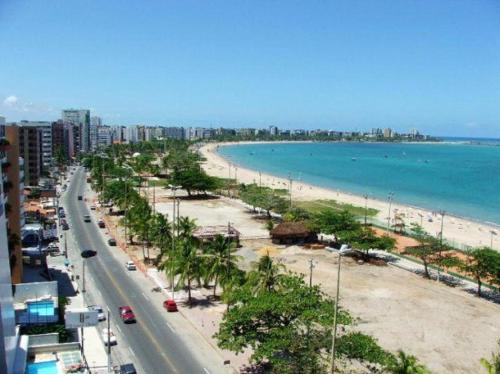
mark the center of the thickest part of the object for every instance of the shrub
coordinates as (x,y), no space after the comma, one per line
(363,347)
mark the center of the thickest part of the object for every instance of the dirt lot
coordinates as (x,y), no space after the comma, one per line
(447,329)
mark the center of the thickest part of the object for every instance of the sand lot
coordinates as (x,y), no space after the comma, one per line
(447,329)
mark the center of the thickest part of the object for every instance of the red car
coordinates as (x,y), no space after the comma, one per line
(126,314)
(170,305)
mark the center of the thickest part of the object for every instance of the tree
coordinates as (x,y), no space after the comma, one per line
(266,274)
(483,264)
(220,260)
(365,239)
(160,234)
(340,223)
(264,198)
(406,364)
(288,327)
(194,179)
(187,263)
(427,250)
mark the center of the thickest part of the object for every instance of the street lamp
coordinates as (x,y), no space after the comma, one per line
(390,198)
(493,233)
(334,332)
(366,206)
(173,188)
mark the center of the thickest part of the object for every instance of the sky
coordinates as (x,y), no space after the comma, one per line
(341,65)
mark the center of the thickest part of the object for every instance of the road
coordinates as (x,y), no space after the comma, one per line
(155,346)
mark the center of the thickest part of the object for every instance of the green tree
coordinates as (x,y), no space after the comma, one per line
(406,364)
(266,274)
(187,263)
(220,260)
(427,250)
(287,327)
(365,239)
(194,179)
(483,264)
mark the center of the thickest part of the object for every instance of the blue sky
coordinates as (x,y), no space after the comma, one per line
(434,65)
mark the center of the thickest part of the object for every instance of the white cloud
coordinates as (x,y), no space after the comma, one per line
(471,125)
(11,101)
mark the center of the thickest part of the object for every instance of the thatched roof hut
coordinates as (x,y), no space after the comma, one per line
(292,233)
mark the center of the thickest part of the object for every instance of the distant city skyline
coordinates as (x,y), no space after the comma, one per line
(347,66)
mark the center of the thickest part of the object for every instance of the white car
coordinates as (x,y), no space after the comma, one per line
(100,312)
(108,336)
(130,265)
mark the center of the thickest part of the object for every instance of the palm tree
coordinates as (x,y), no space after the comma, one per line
(406,364)
(187,263)
(186,227)
(220,260)
(266,274)
(160,234)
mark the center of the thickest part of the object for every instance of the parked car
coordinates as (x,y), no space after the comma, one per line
(170,305)
(112,242)
(100,312)
(130,265)
(62,214)
(88,253)
(108,335)
(86,218)
(127,369)
(80,197)
(101,224)
(52,248)
(92,207)
(64,224)
(126,314)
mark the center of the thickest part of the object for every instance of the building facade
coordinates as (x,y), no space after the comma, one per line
(80,118)
(29,149)
(95,124)
(45,144)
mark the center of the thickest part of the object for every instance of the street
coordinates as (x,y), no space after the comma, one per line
(152,342)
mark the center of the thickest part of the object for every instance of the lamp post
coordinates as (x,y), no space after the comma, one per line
(174,188)
(390,198)
(366,206)
(109,343)
(334,332)
(290,187)
(311,267)
(83,276)
(260,179)
(493,233)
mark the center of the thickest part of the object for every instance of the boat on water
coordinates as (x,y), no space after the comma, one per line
(354,159)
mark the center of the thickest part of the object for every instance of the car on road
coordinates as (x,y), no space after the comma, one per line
(62,214)
(101,224)
(88,253)
(64,224)
(80,197)
(128,369)
(108,335)
(100,312)
(126,314)
(112,242)
(170,305)
(86,218)
(130,265)
(92,207)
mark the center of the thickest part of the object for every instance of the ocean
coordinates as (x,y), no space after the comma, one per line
(460,176)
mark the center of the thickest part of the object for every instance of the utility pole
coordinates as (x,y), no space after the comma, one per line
(228,257)
(229,180)
(366,207)
(260,179)
(391,197)
(334,332)
(109,343)
(442,212)
(83,276)
(311,266)
(173,188)
(290,187)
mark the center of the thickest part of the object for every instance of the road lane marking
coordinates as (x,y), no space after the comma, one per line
(118,328)
(206,370)
(131,351)
(170,327)
(147,298)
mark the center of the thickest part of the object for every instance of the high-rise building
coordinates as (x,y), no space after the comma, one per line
(95,123)
(388,133)
(8,333)
(45,151)
(15,195)
(273,130)
(80,118)
(29,149)
(131,134)
(174,132)
(104,137)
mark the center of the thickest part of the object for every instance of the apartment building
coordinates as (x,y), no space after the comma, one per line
(81,119)
(174,132)
(104,136)
(45,144)
(95,124)
(29,149)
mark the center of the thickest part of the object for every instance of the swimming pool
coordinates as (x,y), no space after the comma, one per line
(47,367)
(41,308)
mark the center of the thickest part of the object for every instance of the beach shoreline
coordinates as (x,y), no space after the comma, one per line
(458,231)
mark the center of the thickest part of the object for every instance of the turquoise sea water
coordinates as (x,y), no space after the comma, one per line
(462,179)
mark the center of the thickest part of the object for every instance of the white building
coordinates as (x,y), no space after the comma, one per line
(104,137)
(132,134)
(273,130)
(95,123)
(174,132)
(80,118)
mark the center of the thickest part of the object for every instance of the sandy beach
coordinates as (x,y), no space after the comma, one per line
(457,231)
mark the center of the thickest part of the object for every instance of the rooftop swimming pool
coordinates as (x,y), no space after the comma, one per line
(41,308)
(47,367)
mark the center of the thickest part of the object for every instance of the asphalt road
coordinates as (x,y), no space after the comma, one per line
(155,346)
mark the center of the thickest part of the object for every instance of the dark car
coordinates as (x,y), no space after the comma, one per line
(64,224)
(112,242)
(170,305)
(62,214)
(80,197)
(101,224)
(88,253)
(86,218)
(127,369)
(126,314)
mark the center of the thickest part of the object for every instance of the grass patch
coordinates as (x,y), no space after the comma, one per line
(157,182)
(316,206)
